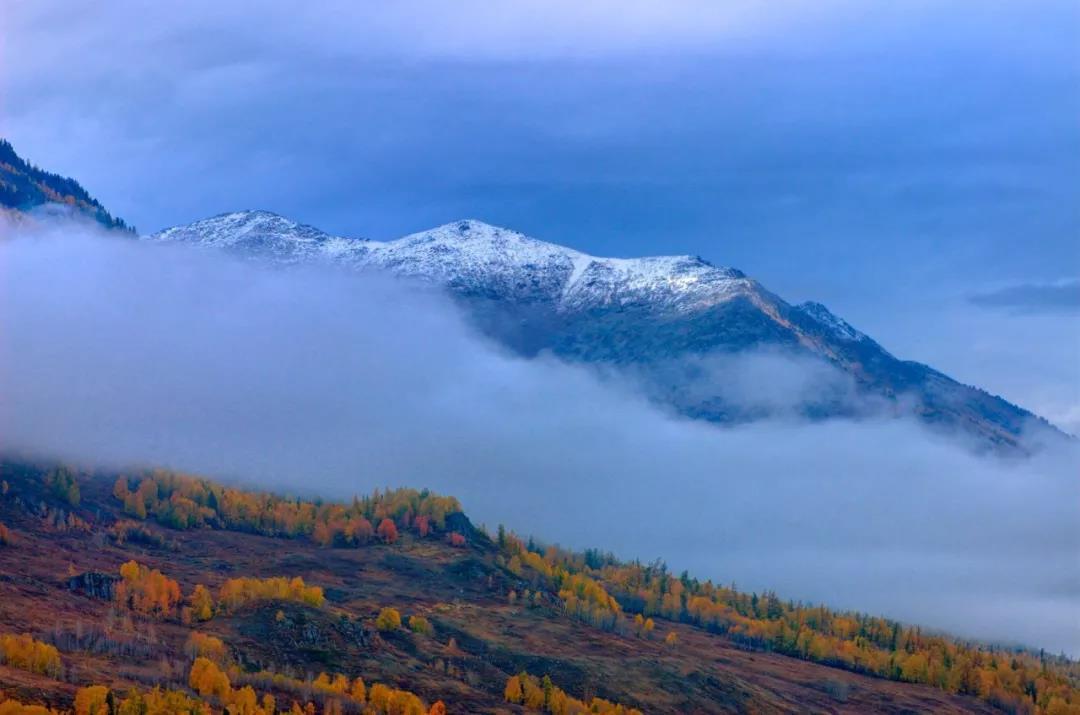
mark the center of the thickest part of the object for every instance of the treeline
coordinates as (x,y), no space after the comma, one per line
(1016,680)
(23,186)
(100,700)
(338,692)
(212,675)
(582,596)
(181,501)
(543,695)
(215,694)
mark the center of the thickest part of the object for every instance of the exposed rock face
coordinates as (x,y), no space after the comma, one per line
(95,584)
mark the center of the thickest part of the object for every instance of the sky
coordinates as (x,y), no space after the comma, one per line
(914,166)
(311,382)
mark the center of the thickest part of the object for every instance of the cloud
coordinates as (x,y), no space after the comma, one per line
(419,29)
(751,384)
(1061,296)
(120,352)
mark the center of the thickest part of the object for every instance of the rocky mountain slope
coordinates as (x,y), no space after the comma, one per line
(660,318)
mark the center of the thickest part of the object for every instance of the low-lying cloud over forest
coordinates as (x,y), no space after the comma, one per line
(113,351)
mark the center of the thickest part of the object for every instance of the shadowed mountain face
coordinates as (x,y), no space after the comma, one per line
(675,324)
(24,187)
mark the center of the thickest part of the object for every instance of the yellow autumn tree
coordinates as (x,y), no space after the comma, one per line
(389,620)
(202,645)
(237,592)
(146,590)
(26,653)
(14,707)
(202,603)
(419,624)
(513,693)
(92,700)
(207,679)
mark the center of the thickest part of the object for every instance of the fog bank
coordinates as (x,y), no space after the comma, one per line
(119,352)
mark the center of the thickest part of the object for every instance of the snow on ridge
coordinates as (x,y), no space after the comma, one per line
(836,325)
(478,257)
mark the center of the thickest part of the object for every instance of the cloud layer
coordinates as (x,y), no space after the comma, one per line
(1061,296)
(119,352)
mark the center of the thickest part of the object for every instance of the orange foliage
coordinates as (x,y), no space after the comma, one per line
(326,685)
(385,700)
(237,592)
(25,653)
(92,700)
(147,591)
(187,502)
(201,603)
(208,680)
(379,699)
(14,707)
(389,620)
(201,645)
(387,531)
(543,695)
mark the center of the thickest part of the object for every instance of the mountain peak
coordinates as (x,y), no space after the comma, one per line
(258,233)
(471,233)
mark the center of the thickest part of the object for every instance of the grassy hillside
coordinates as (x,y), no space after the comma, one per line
(159,592)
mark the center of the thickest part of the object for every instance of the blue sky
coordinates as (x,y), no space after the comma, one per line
(915,166)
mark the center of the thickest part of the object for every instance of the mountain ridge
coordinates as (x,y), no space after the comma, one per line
(470,242)
(646,312)
(536,296)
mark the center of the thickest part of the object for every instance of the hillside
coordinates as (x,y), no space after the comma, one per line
(660,317)
(197,612)
(24,187)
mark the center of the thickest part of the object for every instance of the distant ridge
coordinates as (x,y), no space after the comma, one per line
(24,187)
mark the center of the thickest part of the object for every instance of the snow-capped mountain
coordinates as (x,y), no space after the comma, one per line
(258,234)
(477,258)
(656,316)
